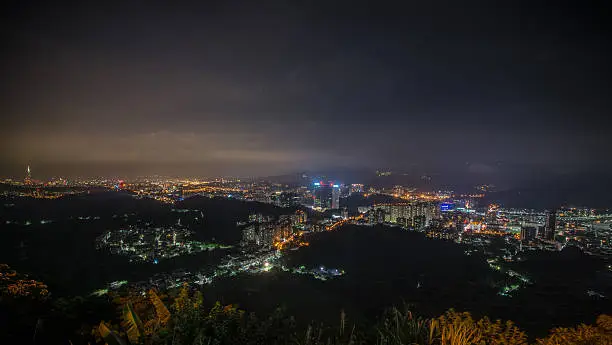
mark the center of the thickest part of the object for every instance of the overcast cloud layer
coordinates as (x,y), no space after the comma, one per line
(219,88)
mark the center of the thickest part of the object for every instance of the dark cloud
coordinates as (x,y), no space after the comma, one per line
(248,88)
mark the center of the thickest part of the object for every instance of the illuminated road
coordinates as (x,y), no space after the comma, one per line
(342,222)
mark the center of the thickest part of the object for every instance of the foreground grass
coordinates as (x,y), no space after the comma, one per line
(187,321)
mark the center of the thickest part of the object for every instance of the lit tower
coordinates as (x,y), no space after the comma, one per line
(28,178)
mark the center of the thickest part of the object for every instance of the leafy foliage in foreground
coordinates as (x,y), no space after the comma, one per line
(189,322)
(600,333)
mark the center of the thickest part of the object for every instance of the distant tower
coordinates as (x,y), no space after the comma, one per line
(551,224)
(28,177)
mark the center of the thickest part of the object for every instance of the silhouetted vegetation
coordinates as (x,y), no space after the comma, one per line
(188,321)
(182,316)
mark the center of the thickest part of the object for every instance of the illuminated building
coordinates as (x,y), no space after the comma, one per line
(335,202)
(28,177)
(259,218)
(356,188)
(299,217)
(363,209)
(283,228)
(475,226)
(446,207)
(412,215)
(326,195)
(550,226)
(376,216)
(528,232)
(491,215)
(400,190)
(459,224)
(266,233)
(322,195)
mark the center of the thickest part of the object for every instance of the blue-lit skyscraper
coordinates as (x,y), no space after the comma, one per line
(326,195)
(322,195)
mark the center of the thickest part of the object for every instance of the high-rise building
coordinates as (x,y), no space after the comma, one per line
(265,234)
(376,216)
(283,227)
(540,231)
(299,217)
(326,195)
(356,188)
(491,215)
(28,177)
(249,234)
(335,202)
(400,190)
(459,224)
(322,195)
(528,232)
(551,225)
(414,215)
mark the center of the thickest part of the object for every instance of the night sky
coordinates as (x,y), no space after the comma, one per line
(260,87)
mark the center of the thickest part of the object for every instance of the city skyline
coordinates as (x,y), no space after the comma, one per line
(305,172)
